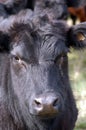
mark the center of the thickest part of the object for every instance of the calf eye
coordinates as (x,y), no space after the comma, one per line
(17,61)
(16,58)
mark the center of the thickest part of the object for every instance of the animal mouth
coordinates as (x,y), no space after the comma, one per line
(45,116)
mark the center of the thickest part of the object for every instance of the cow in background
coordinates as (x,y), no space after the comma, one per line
(77,13)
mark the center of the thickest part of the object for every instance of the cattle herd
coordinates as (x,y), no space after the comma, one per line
(35,91)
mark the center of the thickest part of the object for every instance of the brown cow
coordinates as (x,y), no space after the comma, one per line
(79,13)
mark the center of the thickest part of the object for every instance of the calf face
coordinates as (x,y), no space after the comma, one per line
(38,93)
(36,58)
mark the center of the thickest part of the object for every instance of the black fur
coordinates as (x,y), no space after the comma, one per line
(34,61)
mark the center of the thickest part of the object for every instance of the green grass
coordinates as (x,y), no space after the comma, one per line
(81,125)
(77,69)
(79,90)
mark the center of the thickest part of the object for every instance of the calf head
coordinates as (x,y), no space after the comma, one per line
(39,71)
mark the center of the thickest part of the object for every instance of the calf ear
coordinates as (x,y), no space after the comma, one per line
(76,36)
(4,42)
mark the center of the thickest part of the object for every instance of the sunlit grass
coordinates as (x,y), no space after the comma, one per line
(82,125)
(77,69)
(79,90)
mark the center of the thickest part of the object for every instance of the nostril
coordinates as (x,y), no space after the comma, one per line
(37,103)
(55,102)
(46,105)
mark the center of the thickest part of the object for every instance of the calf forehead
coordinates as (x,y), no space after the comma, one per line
(47,41)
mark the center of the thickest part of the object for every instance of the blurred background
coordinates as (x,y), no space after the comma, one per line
(77,70)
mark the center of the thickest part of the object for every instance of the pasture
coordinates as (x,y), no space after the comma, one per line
(77,71)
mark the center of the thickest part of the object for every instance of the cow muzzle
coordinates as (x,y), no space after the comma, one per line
(45,106)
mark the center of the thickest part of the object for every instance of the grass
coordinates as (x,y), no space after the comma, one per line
(77,69)
(79,90)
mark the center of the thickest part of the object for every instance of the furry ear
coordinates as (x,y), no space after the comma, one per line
(4,42)
(76,36)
